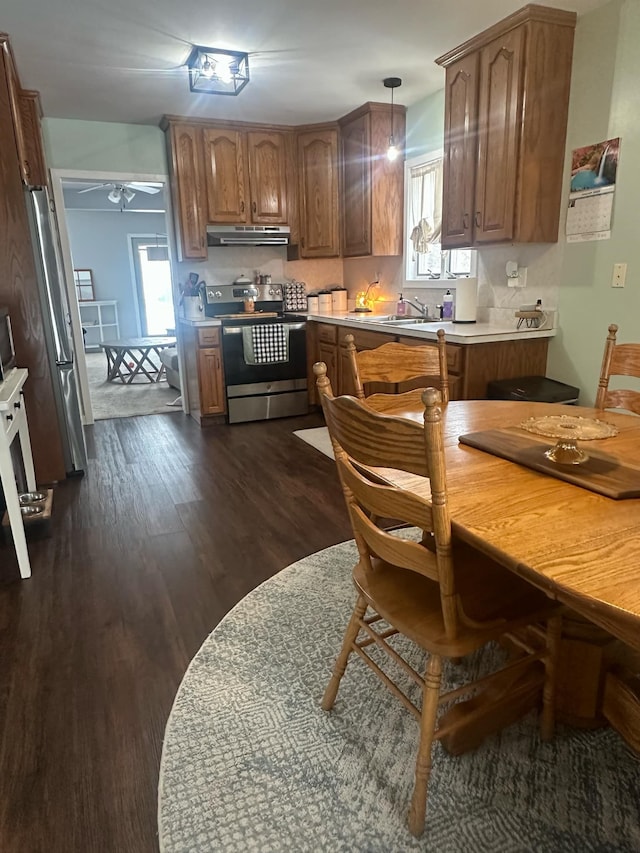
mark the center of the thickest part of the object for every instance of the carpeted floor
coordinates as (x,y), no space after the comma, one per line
(251,763)
(317,437)
(115,400)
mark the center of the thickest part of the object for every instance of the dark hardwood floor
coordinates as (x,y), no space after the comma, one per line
(171,526)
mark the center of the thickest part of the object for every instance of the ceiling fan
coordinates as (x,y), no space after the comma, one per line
(119,193)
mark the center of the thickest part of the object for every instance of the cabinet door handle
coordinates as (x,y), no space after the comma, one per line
(477,219)
(254,207)
(17,404)
(9,417)
(302,242)
(202,242)
(465,221)
(241,207)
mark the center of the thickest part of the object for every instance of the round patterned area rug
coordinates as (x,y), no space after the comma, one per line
(251,763)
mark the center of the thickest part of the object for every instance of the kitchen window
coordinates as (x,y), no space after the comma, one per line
(425,260)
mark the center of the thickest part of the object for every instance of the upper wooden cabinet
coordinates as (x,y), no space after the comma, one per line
(26,112)
(267,177)
(372,185)
(225,175)
(506,105)
(185,143)
(245,175)
(318,196)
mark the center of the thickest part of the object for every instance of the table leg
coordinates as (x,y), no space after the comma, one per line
(13,509)
(25,447)
(115,359)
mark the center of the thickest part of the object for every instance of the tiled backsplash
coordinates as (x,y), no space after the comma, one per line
(225,264)
(497,302)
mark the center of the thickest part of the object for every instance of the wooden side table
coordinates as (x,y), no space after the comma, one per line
(13,422)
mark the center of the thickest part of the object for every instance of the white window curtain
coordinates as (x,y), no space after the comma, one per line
(426,205)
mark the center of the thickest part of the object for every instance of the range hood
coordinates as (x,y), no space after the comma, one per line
(248,235)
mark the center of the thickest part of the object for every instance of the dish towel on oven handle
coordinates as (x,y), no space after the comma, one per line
(265,344)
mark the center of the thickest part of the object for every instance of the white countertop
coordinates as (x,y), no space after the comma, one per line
(455,333)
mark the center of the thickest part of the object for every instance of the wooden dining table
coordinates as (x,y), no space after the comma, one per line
(580,547)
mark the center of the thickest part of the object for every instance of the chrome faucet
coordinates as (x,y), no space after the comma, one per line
(420,307)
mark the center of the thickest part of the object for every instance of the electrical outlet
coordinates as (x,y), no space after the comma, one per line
(619,275)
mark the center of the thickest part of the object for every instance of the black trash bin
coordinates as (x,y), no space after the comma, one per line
(534,389)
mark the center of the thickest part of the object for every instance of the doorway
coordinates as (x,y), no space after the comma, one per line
(143,293)
(152,274)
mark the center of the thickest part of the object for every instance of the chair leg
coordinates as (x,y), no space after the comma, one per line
(430,696)
(341,663)
(547,721)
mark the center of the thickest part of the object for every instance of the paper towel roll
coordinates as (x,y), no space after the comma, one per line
(466,300)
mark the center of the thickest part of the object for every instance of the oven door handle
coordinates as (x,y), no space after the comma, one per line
(237,330)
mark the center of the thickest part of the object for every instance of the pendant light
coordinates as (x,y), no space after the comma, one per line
(393,150)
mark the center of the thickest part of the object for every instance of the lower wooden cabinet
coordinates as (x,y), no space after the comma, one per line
(471,366)
(204,373)
(211,381)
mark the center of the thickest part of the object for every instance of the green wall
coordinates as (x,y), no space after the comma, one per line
(100,146)
(425,125)
(605,103)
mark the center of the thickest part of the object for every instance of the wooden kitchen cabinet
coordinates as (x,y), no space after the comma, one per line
(506,106)
(211,381)
(471,366)
(233,174)
(372,185)
(204,373)
(245,176)
(185,144)
(266,151)
(225,175)
(318,193)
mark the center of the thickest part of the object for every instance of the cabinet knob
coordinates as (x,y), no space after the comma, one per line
(17,404)
(9,417)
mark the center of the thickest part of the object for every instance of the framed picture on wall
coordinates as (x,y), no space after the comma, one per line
(84,285)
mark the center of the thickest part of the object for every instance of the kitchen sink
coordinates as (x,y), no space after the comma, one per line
(407,321)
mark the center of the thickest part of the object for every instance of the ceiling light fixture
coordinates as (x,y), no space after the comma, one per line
(392,83)
(115,195)
(216,71)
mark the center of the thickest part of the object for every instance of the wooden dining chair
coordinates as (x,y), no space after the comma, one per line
(618,360)
(394,363)
(440,592)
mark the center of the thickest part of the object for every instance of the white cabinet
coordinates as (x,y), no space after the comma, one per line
(99,322)
(13,422)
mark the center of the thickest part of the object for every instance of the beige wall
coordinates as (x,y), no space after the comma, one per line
(101,146)
(605,103)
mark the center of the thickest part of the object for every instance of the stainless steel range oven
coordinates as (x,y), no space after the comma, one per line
(264,352)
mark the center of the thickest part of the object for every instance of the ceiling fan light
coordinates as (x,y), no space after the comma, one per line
(128,194)
(115,195)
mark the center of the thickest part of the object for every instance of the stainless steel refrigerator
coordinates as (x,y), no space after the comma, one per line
(57,325)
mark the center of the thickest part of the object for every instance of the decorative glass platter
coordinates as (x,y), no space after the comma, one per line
(568,429)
